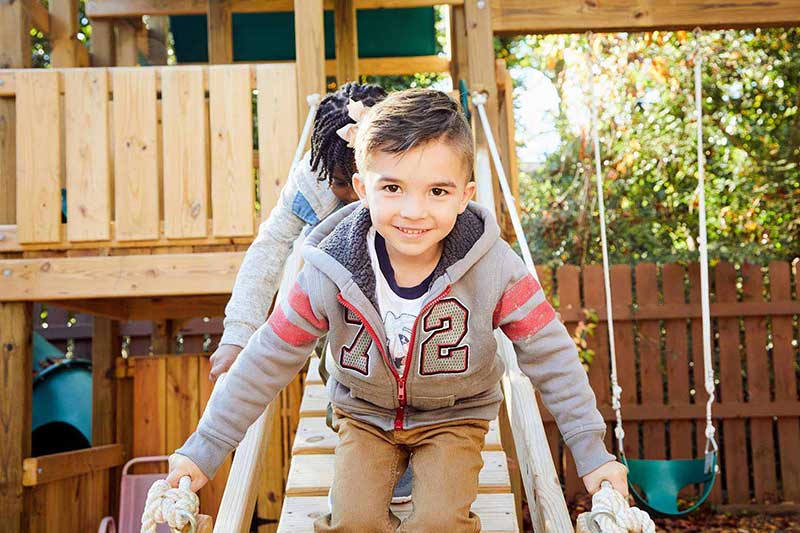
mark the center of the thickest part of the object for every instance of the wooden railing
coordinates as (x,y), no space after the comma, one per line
(147,156)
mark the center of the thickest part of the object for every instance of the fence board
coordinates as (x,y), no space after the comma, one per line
(136,182)
(278,130)
(88,172)
(150,409)
(211,494)
(761,441)
(622,293)
(232,187)
(185,157)
(39,177)
(594,295)
(569,279)
(785,382)
(730,375)
(700,397)
(653,434)
(183,399)
(677,363)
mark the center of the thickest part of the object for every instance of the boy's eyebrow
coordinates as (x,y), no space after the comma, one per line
(441,184)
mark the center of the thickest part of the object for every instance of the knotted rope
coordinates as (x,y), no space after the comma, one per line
(611,514)
(167,505)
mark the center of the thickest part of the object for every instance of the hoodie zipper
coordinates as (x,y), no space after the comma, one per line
(401,380)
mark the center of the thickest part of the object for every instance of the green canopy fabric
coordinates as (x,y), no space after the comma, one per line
(270,36)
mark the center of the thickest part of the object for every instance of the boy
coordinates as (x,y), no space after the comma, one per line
(409,284)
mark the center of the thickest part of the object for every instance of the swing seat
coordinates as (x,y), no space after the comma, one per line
(662,480)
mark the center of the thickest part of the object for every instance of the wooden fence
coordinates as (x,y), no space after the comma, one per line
(755,313)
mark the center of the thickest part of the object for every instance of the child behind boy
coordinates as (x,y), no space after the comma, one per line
(409,285)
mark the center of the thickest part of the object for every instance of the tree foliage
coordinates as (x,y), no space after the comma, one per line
(645,99)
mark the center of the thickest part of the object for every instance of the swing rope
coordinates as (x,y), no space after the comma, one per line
(708,369)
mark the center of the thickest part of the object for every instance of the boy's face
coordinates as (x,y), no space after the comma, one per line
(415,197)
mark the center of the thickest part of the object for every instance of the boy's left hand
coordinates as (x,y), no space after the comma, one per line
(613,471)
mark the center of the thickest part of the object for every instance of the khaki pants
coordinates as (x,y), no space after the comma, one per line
(445,459)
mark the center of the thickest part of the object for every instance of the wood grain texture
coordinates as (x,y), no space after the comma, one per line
(345,28)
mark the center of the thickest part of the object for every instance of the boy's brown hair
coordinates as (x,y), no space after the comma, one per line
(413,118)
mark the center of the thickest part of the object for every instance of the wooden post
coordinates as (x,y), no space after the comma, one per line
(157,40)
(220,32)
(346,41)
(459,66)
(507,140)
(480,57)
(126,43)
(309,53)
(16,360)
(15,52)
(162,338)
(63,33)
(103,53)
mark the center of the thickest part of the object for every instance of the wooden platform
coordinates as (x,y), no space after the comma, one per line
(312,469)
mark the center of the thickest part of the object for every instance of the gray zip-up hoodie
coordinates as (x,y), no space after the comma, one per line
(452,371)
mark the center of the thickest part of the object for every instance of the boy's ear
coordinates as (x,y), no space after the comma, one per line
(360,187)
(469,193)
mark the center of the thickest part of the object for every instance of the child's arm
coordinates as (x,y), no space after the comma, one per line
(548,356)
(273,356)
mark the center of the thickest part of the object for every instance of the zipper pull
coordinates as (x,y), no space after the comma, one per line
(401,392)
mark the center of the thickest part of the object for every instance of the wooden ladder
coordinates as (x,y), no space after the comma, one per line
(311,471)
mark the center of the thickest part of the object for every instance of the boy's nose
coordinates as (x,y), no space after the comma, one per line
(413,209)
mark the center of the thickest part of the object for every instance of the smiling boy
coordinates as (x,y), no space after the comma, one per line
(409,284)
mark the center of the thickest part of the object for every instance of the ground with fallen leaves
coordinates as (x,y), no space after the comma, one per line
(706,520)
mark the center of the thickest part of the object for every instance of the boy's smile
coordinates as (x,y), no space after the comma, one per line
(414,199)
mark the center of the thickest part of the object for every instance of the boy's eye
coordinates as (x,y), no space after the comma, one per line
(436,191)
(392,188)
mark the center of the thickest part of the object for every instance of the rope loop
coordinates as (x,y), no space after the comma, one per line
(611,514)
(174,507)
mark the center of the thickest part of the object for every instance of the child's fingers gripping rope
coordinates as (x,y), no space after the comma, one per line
(179,466)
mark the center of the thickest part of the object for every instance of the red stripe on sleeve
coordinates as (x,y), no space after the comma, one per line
(300,302)
(532,323)
(514,298)
(287,331)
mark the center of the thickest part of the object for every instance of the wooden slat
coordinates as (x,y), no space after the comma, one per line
(313,376)
(278,130)
(232,188)
(569,300)
(105,349)
(309,52)
(49,468)
(677,362)
(315,437)
(185,125)
(734,458)
(701,397)
(39,176)
(211,494)
(622,292)
(88,172)
(40,18)
(312,475)
(136,183)
(183,399)
(548,16)
(315,401)
(150,408)
(755,340)
(118,276)
(653,434)
(785,382)
(594,297)
(496,512)
(63,33)
(125,43)
(15,408)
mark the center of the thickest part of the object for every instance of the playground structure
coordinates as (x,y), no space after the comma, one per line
(161,204)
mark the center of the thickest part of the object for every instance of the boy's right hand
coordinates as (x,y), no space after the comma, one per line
(222,359)
(179,466)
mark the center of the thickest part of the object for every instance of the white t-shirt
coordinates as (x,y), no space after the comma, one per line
(398,306)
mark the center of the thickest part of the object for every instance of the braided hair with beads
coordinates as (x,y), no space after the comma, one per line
(329,152)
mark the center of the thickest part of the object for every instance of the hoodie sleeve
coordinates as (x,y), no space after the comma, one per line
(273,356)
(260,273)
(548,356)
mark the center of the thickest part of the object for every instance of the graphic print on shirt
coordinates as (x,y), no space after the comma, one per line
(442,352)
(355,356)
(398,335)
